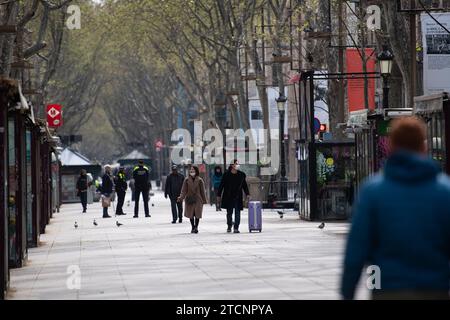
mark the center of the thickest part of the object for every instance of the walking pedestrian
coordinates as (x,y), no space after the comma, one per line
(120,182)
(217,179)
(82,189)
(107,190)
(230,194)
(194,196)
(172,189)
(401,223)
(141,175)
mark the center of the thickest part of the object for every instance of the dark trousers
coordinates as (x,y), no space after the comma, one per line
(120,201)
(144,192)
(237,215)
(177,209)
(216,193)
(105,212)
(83,198)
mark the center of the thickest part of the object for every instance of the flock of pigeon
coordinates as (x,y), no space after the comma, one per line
(118,224)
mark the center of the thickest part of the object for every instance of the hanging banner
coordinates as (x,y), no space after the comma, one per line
(54,115)
(355,87)
(436,53)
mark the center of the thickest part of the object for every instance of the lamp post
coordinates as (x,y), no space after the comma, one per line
(386,61)
(234,97)
(281,105)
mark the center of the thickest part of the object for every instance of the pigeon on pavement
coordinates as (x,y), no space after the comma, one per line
(76,225)
(118,224)
(321,226)
(95,223)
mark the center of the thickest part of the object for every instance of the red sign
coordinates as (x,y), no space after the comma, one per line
(54,115)
(355,87)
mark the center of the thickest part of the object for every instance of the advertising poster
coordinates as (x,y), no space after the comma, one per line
(355,86)
(436,53)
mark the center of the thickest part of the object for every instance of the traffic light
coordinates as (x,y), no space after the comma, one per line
(323,129)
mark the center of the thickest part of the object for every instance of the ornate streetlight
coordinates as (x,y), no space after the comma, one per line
(386,61)
(281,104)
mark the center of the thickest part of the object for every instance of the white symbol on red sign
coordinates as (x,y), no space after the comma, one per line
(53,112)
(159,144)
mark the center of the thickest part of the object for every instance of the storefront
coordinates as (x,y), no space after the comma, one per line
(17,190)
(28,179)
(327,169)
(435,110)
(372,144)
(8,91)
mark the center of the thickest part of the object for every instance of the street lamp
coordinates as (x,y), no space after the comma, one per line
(386,61)
(281,105)
(234,96)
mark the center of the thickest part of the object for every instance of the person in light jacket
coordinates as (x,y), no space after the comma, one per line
(194,196)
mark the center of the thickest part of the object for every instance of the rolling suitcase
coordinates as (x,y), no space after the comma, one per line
(254,216)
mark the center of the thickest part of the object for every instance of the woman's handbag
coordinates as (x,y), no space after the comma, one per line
(106,201)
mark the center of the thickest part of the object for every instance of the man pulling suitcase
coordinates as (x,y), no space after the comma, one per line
(230,194)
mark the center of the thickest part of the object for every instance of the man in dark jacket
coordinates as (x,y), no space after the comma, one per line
(173,186)
(230,194)
(141,176)
(120,182)
(401,224)
(82,189)
(107,188)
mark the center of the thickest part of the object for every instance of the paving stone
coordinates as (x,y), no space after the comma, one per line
(150,258)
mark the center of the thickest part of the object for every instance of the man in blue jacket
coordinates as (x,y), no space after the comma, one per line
(401,223)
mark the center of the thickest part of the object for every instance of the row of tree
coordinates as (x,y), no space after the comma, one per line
(139,68)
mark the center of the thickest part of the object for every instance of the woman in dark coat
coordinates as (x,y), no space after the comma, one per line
(107,188)
(230,194)
(193,193)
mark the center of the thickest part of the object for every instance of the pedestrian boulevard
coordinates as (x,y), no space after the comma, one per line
(150,258)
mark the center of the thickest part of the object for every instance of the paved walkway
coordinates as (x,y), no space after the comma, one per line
(154,259)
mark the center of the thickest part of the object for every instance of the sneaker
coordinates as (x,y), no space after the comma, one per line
(229,229)
(135,216)
(236,231)
(147,216)
(196,230)
(105,217)
(193,230)
(180,221)
(174,221)
(84,211)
